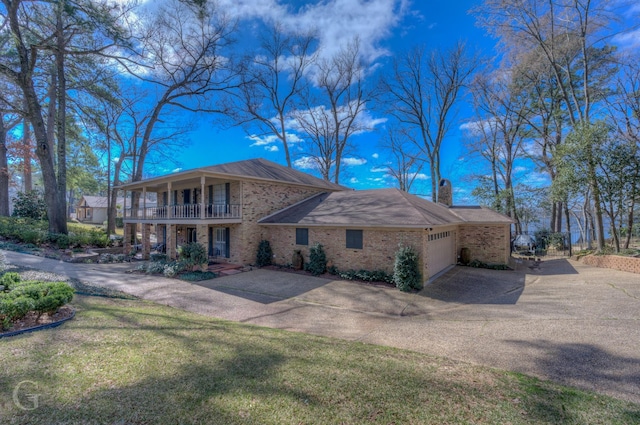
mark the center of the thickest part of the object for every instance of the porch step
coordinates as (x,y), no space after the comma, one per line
(224,268)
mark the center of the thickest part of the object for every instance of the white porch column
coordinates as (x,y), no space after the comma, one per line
(169,207)
(202,197)
(144,202)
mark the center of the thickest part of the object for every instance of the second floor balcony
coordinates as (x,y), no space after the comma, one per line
(185,212)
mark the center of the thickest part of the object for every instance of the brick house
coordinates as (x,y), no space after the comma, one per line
(231,207)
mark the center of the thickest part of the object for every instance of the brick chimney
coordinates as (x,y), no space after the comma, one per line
(445,193)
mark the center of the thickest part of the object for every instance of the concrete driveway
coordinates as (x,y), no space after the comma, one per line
(559,320)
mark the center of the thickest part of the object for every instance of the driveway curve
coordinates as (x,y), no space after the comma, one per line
(560,320)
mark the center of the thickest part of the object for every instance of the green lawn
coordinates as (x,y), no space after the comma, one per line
(134,362)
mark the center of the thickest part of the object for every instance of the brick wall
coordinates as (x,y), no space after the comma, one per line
(259,200)
(378,246)
(487,243)
(616,262)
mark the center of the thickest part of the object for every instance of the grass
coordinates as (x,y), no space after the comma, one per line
(134,362)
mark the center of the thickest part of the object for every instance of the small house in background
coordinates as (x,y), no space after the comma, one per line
(93,209)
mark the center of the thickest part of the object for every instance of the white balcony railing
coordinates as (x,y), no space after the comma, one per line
(187,211)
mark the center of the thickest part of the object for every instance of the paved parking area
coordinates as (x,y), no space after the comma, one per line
(561,320)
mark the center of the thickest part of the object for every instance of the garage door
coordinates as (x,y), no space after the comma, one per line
(441,251)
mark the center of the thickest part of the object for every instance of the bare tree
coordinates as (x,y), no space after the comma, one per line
(423,92)
(624,111)
(404,163)
(332,113)
(571,38)
(272,79)
(501,129)
(182,46)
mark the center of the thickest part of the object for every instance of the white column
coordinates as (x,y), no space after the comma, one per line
(202,197)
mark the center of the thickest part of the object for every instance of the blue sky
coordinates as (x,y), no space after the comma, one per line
(384,27)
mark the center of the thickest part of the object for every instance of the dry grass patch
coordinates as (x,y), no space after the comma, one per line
(135,362)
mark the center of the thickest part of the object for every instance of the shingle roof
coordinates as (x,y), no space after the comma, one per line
(370,208)
(99,201)
(257,168)
(479,214)
(102,202)
(261,168)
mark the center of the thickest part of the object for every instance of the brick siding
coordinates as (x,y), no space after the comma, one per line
(378,246)
(487,243)
(616,262)
(259,200)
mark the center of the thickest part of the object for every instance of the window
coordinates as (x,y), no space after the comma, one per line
(191,234)
(354,239)
(302,236)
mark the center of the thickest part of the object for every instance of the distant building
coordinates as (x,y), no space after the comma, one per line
(93,209)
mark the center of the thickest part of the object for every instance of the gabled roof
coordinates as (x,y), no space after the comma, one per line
(365,208)
(379,208)
(99,201)
(102,202)
(253,169)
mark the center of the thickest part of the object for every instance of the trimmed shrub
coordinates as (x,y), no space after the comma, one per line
(9,281)
(57,294)
(406,270)
(265,254)
(317,260)
(193,254)
(13,309)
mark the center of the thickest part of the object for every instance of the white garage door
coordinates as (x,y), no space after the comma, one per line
(441,251)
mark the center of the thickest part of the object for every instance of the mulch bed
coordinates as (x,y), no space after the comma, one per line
(31,320)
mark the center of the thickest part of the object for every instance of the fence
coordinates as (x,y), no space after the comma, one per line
(563,244)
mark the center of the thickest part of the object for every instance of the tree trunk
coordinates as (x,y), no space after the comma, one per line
(567,215)
(61,124)
(27,177)
(4,171)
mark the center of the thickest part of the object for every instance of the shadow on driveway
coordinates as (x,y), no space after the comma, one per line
(467,285)
(265,286)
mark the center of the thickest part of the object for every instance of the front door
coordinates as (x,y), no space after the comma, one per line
(221,247)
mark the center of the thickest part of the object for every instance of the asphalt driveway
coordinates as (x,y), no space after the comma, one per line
(560,320)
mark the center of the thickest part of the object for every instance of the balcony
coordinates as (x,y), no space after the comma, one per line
(185,212)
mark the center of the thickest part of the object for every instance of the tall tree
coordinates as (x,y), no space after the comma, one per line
(272,79)
(571,38)
(332,112)
(423,92)
(43,36)
(500,134)
(183,52)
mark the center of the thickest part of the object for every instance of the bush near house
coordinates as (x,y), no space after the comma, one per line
(193,255)
(317,260)
(265,254)
(19,297)
(406,270)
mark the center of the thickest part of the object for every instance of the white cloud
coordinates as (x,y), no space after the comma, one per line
(305,163)
(354,180)
(336,21)
(419,176)
(271,148)
(375,156)
(379,169)
(628,40)
(176,170)
(354,161)
(271,139)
